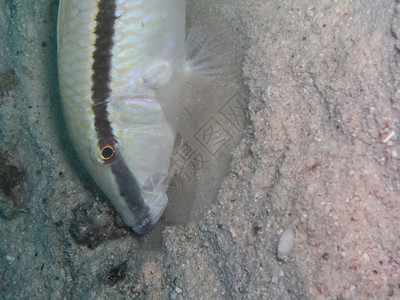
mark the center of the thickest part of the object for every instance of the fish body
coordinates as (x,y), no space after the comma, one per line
(114,56)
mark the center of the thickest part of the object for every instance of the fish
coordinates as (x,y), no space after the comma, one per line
(119,63)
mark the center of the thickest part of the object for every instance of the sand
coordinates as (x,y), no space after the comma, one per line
(318,154)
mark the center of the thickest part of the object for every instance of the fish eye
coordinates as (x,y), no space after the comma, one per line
(107,153)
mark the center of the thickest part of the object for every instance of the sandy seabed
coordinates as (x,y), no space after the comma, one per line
(320,155)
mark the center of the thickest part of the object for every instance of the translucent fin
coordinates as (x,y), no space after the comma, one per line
(154,194)
(200,103)
(198,90)
(210,55)
(157,211)
(158,75)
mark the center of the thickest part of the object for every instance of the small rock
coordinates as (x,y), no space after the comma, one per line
(286,243)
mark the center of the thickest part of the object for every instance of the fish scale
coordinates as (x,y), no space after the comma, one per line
(112,58)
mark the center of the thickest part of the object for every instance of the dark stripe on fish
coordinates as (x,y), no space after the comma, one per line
(130,190)
(101,78)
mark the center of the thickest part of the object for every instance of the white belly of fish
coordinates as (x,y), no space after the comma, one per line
(112,58)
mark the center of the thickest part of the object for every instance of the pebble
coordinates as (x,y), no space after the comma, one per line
(286,243)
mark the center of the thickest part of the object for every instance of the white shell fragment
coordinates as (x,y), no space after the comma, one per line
(286,243)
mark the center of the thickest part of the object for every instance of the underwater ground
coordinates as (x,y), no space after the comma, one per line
(318,156)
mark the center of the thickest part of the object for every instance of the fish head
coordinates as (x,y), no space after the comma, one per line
(131,166)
